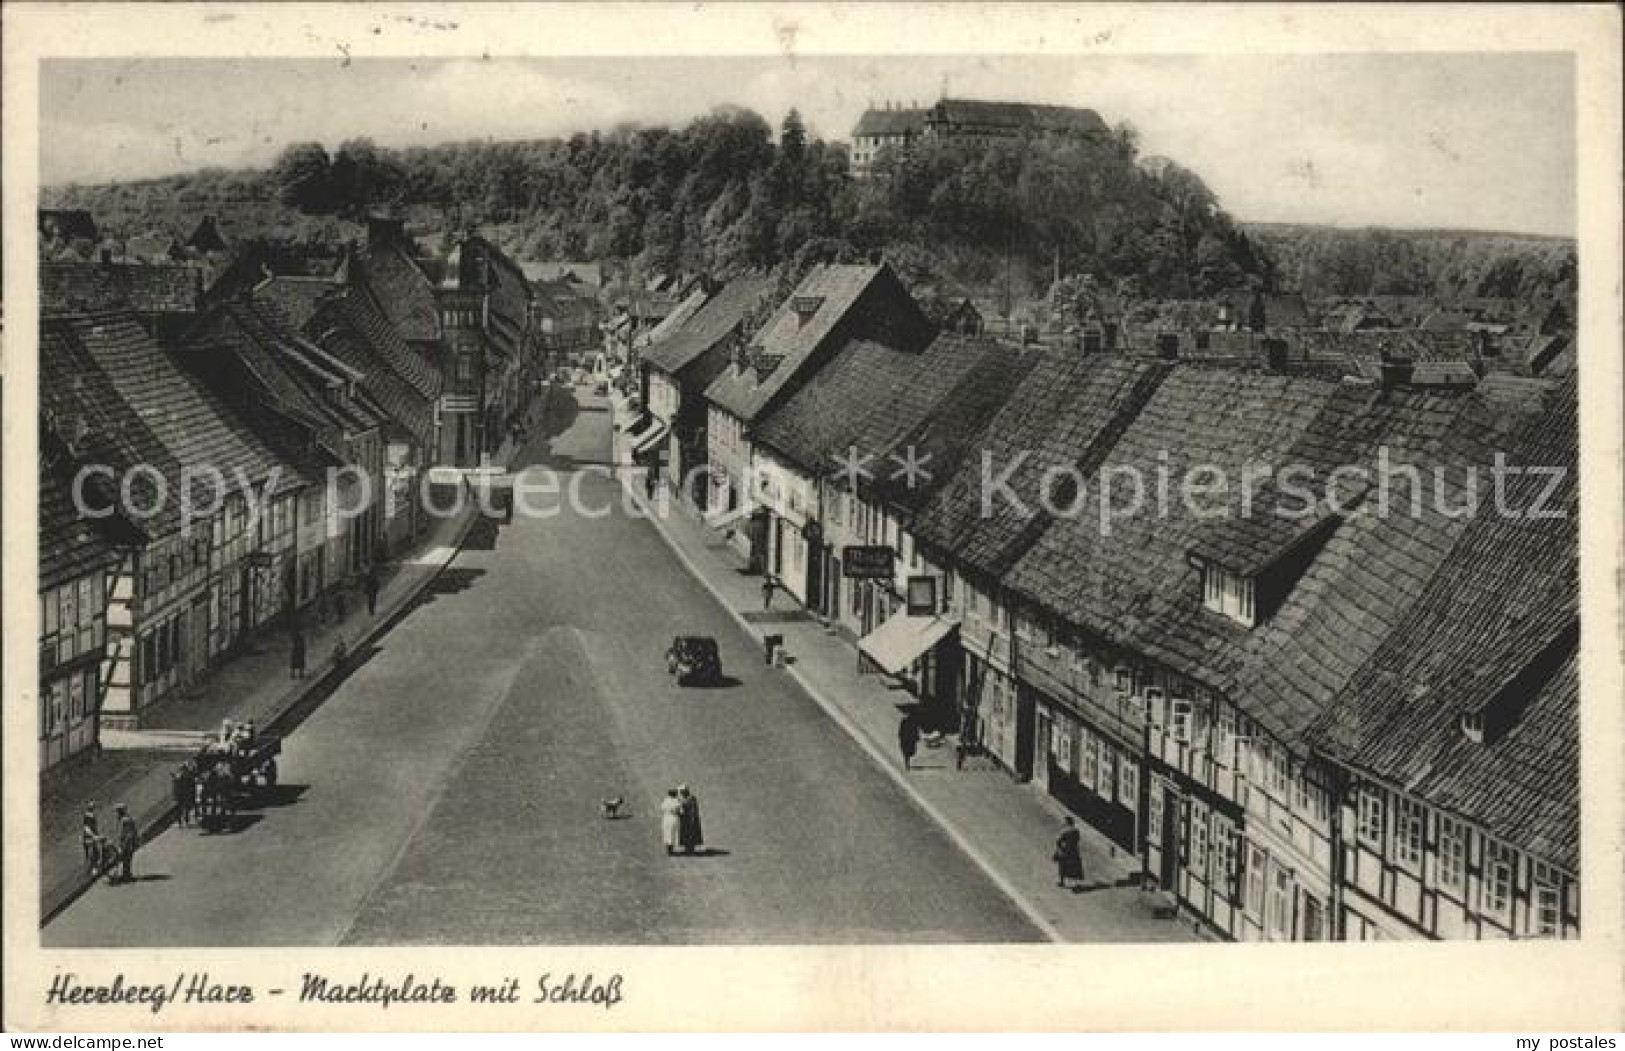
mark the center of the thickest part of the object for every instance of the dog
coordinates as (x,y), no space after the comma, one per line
(612,808)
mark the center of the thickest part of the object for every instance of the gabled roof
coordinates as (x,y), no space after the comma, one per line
(255,360)
(71,545)
(1504,599)
(1018,116)
(401,289)
(296,297)
(1111,562)
(351,328)
(193,425)
(1068,412)
(679,316)
(710,324)
(789,340)
(77,396)
(890,122)
(147,288)
(815,427)
(942,418)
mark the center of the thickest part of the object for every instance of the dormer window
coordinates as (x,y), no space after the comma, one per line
(805,307)
(1229,593)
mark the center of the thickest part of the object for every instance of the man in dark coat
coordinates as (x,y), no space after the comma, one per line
(129,840)
(90,835)
(296,655)
(689,832)
(183,785)
(1069,855)
(908,740)
(371,585)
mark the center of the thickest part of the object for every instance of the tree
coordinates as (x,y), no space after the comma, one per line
(301,175)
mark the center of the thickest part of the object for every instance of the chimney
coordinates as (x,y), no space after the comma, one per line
(1275,354)
(1488,345)
(1396,371)
(1168,346)
(385,229)
(1472,726)
(1091,341)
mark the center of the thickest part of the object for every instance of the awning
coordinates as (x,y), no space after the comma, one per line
(901,641)
(650,440)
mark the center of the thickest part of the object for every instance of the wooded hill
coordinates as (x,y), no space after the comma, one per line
(725,193)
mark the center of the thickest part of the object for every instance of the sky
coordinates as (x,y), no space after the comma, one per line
(1482,141)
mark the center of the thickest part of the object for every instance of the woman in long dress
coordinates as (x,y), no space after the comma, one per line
(670,810)
(1069,854)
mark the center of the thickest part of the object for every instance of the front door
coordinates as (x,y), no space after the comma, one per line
(1026,730)
(1041,748)
(1170,837)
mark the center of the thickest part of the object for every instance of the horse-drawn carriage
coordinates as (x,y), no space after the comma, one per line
(228,776)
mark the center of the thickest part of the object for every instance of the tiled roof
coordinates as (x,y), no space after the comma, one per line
(402,290)
(147,288)
(1503,601)
(253,359)
(1017,116)
(817,422)
(960,387)
(1343,597)
(673,322)
(296,297)
(837,288)
(710,324)
(196,429)
(352,329)
(1067,413)
(890,122)
(70,545)
(1113,561)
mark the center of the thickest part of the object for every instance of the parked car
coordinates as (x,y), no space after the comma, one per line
(694,659)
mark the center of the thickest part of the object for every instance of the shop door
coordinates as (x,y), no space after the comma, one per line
(1026,731)
(1041,748)
(1170,838)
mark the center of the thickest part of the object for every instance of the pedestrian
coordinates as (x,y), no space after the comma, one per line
(1068,855)
(767,593)
(670,820)
(372,589)
(90,835)
(129,838)
(908,740)
(183,785)
(689,832)
(296,655)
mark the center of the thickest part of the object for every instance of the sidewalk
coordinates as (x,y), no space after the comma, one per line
(134,765)
(1006,828)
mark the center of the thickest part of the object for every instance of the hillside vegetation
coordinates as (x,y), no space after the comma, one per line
(727,192)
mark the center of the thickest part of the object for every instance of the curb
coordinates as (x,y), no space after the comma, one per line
(153,821)
(852,730)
